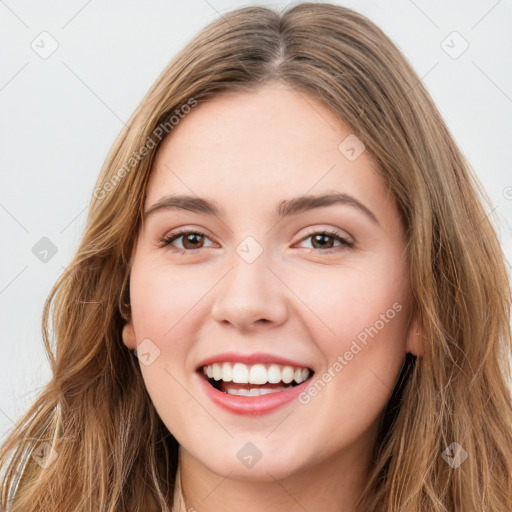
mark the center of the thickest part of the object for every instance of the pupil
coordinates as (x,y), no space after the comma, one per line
(191,236)
(315,239)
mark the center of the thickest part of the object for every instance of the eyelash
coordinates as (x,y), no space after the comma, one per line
(167,241)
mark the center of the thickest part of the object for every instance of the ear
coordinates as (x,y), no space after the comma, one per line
(129,335)
(417,340)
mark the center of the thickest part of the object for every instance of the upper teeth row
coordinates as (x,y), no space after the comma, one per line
(255,374)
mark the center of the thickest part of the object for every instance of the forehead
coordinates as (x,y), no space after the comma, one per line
(253,149)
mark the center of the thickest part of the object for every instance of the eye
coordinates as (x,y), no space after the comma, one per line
(319,240)
(191,241)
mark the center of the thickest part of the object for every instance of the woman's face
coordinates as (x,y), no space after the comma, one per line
(269,297)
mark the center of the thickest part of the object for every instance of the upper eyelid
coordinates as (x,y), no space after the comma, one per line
(182,232)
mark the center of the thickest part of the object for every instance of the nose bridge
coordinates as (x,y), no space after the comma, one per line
(250,291)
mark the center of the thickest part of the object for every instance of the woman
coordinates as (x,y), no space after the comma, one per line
(366,370)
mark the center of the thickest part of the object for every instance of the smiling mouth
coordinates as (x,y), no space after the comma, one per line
(254,380)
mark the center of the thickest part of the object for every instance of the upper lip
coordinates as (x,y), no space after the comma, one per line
(249,359)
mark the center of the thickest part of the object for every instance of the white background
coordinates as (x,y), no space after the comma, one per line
(60,115)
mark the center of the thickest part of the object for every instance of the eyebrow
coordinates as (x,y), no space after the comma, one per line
(285,208)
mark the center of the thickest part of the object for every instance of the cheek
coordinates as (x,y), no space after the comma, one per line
(354,301)
(167,306)
(162,298)
(359,324)
(162,303)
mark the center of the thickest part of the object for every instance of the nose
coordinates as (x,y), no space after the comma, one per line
(251,296)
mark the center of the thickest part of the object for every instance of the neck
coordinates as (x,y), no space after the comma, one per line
(332,485)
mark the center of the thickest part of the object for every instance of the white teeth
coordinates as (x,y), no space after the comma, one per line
(255,391)
(274,374)
(240,373)
(259,374)
(287,374)
(227,372)
(217,372)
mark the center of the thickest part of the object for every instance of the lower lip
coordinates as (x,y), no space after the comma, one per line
(252,405)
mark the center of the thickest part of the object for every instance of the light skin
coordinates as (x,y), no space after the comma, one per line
(247,152)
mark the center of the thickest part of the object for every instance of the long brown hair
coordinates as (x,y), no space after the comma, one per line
(110,449)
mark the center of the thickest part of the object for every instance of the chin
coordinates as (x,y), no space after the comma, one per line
(245,462)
